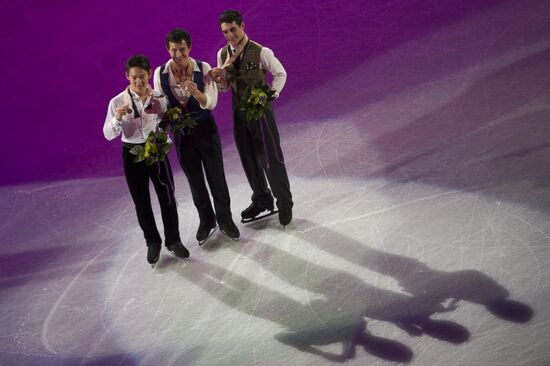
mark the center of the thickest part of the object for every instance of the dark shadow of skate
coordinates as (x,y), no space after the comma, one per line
(386,349)
(511,310)
(444,330)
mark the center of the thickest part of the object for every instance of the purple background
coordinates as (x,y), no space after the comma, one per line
(62,61)
(416,138)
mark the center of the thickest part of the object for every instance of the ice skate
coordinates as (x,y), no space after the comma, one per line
(178,249)
(252,212)
(230,229)
(153,253)
(205,232)
(210,234)
(285,216)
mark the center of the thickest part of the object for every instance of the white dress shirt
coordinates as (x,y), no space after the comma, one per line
(268,62)
(133,130)
(182,95)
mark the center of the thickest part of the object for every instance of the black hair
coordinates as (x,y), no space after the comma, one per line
(230,16)
(177,35)
(138,61)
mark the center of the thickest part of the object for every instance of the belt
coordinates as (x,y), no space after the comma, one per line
(130,145)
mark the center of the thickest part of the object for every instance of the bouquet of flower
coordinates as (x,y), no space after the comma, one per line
(155,149)
(174,120)
(158,143)
(255,101)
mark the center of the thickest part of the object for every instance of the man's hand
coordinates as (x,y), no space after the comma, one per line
(191,87)
(218,74)
(121,111)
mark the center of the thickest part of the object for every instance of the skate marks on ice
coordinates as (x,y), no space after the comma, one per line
(336,306)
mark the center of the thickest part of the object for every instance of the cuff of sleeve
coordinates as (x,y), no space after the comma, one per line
(116,124)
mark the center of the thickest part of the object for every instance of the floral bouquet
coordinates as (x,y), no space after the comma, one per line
(175,119)
(255,101)
(155,149)
(158,143)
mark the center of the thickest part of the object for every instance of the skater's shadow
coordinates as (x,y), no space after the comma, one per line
(416,278)
(310,324)
(334,309)
(351,297)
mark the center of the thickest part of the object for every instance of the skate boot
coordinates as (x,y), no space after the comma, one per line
(205,231)
(251,212)
(230,229)
(153,253)
(285,216)
(178,249)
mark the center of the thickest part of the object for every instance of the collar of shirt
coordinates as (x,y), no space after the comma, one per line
(137,98)
(168,70)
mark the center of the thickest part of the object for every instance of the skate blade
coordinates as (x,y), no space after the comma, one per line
(234,239)
(209,236)
(271,213)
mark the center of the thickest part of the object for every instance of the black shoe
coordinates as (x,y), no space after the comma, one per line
(285,216)
(255,209)
(204,230)
(230,229)
(178,249)
(153,253)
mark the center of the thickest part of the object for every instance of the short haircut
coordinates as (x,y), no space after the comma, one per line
(230,16)
(177,35)
(138,61)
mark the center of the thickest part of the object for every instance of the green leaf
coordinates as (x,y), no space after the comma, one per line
(137,150)
(189,123)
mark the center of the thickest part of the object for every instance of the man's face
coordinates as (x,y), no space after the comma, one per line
(139,79)
(179,51)
(233,33)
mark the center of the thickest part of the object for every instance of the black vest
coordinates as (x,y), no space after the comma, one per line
(198,114)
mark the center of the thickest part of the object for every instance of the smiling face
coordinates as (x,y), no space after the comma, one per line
(139,79)
(233,33)
(179,51)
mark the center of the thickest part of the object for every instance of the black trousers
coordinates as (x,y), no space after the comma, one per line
(138,176)
(201,148)
(260,151)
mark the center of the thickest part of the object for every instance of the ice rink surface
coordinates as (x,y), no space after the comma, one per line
(421,230)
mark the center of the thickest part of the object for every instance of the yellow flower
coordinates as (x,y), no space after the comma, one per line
(147,152)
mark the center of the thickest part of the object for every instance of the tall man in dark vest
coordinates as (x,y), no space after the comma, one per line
(243,63)
(181,80)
